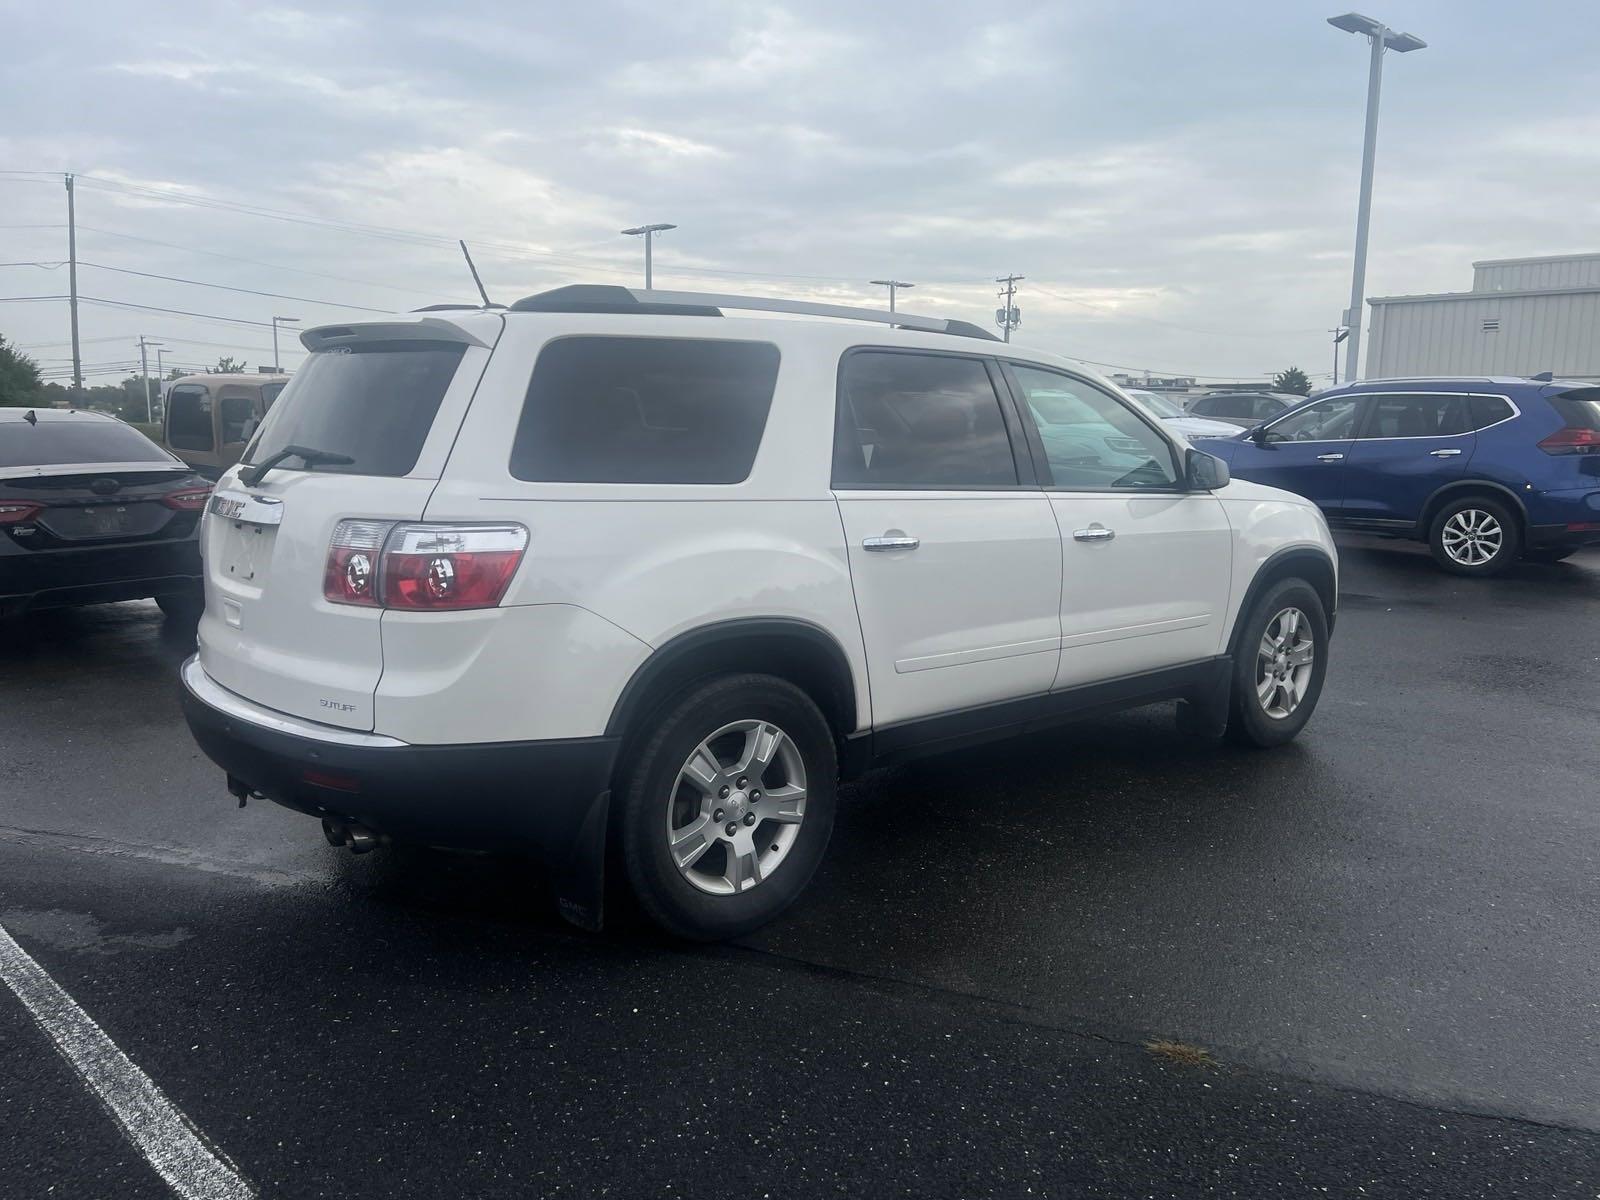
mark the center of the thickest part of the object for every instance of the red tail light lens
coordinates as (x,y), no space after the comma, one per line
(14,512)
(1572,440)
(450,567)
(190,499)
(350,576)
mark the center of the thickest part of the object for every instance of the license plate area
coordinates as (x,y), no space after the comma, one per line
(247,552)
(89,522)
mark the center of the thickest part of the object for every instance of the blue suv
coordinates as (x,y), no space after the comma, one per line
(1486,471)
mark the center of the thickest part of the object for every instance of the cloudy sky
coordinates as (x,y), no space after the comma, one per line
(1176,180)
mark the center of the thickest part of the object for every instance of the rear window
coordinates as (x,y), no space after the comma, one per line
(644,410)
(1579,409)
(374,401)
(189,417)
(74,440)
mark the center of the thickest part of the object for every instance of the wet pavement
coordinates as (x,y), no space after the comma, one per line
(1384,935)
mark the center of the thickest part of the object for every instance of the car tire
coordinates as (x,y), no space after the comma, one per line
(1273,697)
(182,608)
(1475,536)
(683,796)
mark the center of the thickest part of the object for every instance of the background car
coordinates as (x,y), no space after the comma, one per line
(1173,415)
(1243,409)
(210,418)
(91,511)
(1484,470)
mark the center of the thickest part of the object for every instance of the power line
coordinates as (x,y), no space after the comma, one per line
(176,312)
(228,288)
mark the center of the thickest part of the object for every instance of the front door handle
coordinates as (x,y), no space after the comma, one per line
(1329,457)
(1095,533)
(888,542)
(1444,453)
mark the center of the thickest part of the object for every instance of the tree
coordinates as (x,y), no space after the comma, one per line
(1294,381)
(19,378)
(228,365)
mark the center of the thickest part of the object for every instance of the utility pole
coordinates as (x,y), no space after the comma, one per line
(893,285)
(1381,38)
(1339,335)
(1009,317)
(277,370)
(648,231)
(144,371)
(72,298)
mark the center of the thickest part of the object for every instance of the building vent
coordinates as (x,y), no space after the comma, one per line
(1491,324)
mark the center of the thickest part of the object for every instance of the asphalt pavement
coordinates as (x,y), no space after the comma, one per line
(1383,936)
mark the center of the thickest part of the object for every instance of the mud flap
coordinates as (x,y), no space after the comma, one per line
(1204,713)
(579,879)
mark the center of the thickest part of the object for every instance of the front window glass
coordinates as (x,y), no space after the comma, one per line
(1328,420)
(1092,440)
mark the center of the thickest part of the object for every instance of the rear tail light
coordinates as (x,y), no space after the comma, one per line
(422,567)
(1572,440)
(350,575)
(14,512)
(190,499)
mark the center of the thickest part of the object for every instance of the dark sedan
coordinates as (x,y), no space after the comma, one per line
(92,511)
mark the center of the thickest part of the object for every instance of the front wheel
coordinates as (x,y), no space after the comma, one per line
(1280,665)
(728,806)
(1475,536)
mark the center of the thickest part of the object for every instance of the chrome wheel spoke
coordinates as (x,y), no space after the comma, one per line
(785,805)
(1301,655)
(744,864)
(761,746)
(703,771)
(690,843)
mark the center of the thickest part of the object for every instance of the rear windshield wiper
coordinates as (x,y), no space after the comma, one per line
(307,455)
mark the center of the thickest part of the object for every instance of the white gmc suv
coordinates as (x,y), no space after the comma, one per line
(612,574)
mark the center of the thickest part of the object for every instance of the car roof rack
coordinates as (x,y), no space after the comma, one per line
(611,298)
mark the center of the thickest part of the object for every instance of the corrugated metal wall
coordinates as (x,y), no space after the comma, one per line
(1529,275)
(1559,333)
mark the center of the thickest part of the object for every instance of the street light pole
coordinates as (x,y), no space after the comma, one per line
(648,232)
(144,371)
(1381,38)
(275,321)
(893,285)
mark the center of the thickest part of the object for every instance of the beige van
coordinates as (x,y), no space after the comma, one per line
(209,418)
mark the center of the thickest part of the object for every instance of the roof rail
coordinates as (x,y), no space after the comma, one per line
(610,298)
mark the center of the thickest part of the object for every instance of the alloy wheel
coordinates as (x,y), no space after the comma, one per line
(1472,537)
(736,807)
(1284,663)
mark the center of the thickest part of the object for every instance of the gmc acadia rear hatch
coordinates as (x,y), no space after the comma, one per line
(361,434)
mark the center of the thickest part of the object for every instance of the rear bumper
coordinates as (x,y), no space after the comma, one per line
(1562,537)
(1562,520)
(544,798)
(97,575)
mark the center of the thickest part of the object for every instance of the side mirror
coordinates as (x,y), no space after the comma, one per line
(1204,472)
(1259,435)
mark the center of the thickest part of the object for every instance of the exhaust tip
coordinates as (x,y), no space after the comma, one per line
(357,837)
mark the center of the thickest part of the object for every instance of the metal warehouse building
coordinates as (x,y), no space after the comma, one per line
(1522,316)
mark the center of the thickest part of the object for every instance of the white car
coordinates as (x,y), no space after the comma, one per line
(624,565)
(1171,412)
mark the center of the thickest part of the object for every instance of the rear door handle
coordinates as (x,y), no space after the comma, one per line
(1329,457)
(897,542)
(1444,453)
(1095,533)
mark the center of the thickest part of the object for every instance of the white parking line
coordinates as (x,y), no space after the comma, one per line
(151,1122)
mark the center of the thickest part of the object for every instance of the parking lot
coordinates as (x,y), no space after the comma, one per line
(1384,935)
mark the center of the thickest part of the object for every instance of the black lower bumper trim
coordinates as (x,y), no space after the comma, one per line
(547,799)
(1560,537)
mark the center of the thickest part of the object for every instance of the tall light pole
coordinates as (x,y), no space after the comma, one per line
(276,321)
(893,285)
(1382,38)
(647,232)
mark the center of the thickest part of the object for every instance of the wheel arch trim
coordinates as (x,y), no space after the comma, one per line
(676,653)
(1442,495)
(1275,567)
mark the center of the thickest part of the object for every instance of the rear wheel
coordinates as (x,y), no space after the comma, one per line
(728,806)
(1475,536)
(182,608)
(1280,665)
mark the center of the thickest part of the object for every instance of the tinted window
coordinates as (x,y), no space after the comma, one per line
(269,393)
(644,410)
(1578,409)
(189,422)
(374,401)
(1091,439)
(1328,420)
(74,440)
(919,421)
(1417,416)
(1487,410)
(1265,408)
(238,419)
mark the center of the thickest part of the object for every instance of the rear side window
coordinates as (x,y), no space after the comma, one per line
(189,420)
(1417,415)
(238,419)
(1489,410)
(71,441)
(644,410)
(919,421)
(374,401)
(1579,409)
